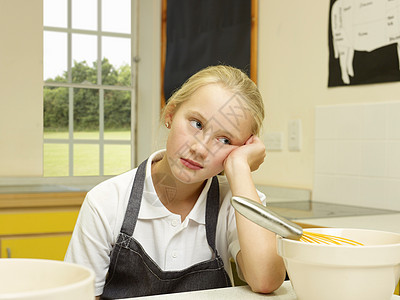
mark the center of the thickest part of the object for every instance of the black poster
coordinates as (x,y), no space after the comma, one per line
(364,42)
(204,33)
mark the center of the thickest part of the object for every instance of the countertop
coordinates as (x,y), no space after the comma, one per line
(336,215)
(43,188)
(388,222)
(285,292)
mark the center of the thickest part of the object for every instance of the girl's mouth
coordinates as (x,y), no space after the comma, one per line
(191,164)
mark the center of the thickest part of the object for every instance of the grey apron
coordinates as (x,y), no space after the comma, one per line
(133,273)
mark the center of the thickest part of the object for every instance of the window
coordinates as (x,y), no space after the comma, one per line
(89,84)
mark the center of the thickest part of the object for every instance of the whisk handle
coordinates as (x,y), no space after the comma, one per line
(266,218)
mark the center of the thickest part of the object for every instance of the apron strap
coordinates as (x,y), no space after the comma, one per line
(135,199)
(212,209)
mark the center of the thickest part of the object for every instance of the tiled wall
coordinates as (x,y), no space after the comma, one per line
(357,155)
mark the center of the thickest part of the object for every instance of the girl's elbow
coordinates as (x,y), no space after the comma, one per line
(264,288)
(267,284)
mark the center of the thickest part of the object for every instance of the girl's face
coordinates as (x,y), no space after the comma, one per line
(204,131)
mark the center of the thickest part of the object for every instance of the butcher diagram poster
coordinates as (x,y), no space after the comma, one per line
(364,42)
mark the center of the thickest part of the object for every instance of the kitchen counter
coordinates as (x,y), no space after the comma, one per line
(387,222)
(296,210)
(43,188)
(340,216)
(285,292)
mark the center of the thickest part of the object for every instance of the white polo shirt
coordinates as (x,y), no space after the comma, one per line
(172,244)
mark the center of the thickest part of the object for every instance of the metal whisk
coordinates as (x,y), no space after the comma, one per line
(266,218)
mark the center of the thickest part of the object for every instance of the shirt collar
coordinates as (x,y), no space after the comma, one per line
(198,212)
(151,206)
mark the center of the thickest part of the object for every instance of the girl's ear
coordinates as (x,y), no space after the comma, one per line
(169,114)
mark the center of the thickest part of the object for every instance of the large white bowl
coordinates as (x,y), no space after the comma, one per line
(333,272)
(39,279)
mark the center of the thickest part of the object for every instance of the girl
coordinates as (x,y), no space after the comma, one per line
(168,225)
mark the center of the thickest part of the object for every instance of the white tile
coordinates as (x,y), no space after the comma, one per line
(324,189)
(393,159)
(392,194)
(350,121)
(348,157)
(325,160)
(393,120)
(372,193)
(373,158)
(374,121)
(326,120)
(348,190)
(357,155)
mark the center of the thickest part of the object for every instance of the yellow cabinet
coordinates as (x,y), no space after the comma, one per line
(37,221)
(37,225)
(49,246)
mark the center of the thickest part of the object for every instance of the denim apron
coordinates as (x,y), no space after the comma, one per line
(133,273)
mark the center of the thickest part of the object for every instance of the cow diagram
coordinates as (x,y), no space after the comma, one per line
(363,25)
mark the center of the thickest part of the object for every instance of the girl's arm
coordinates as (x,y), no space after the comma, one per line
(258,260)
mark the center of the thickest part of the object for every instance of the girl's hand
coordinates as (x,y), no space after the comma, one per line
(252,153)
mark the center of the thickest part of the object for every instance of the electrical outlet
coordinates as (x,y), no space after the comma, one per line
(294,135)
(273,141)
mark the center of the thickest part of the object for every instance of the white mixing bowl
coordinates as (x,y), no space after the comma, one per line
(332,272)
(38,279)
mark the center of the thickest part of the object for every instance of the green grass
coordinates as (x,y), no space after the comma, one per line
(117,158)
(110,135)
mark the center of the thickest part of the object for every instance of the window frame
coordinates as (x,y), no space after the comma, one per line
(101,141)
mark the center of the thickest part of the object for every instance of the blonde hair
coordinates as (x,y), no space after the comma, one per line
(233,79)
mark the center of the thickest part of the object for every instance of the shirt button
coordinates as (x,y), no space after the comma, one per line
(174,254)
(174,223)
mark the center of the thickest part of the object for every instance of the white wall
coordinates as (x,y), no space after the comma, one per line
(148,96)
(293,76)
(21,100)
(357,154)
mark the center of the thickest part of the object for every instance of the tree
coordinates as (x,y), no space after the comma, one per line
(86,100)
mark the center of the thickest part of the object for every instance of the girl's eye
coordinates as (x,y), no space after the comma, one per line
(196,124)
(224,141)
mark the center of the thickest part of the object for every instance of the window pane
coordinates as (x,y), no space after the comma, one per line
(55,56)
(86,160)
(55,13)
(84,56)
(86,113)
(52,135)
(55,109)
(117,111)
(84,14)
(55,160)
(86,135)
(118,53)
(116,16)
(117,159)
(118,135)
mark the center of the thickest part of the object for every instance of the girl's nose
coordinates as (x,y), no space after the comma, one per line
(199,147)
